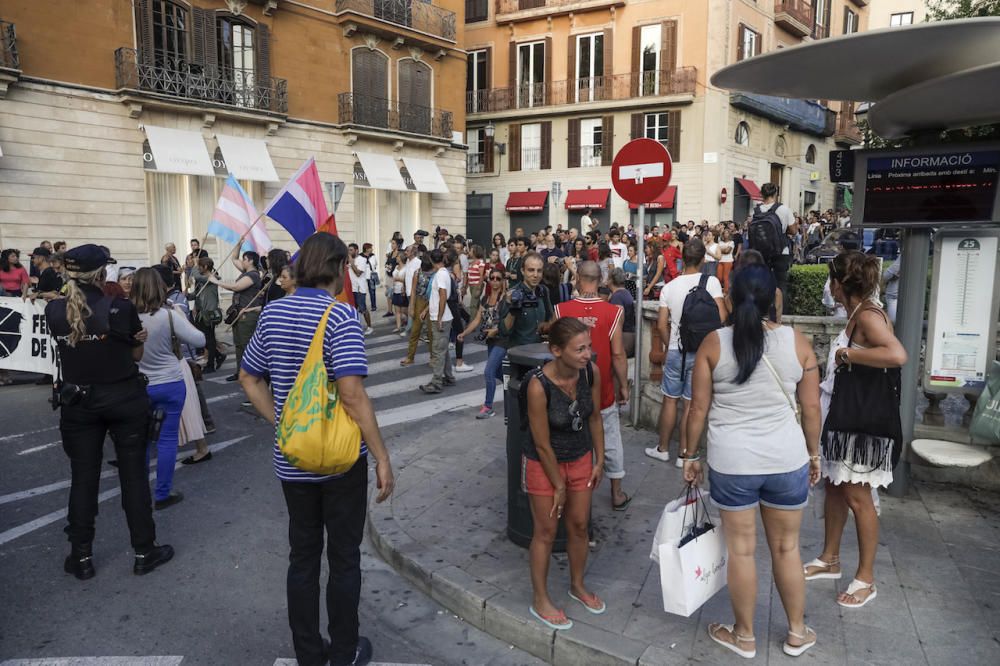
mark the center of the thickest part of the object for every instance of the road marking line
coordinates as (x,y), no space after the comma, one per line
(224,396)
(429,408)
(39,448)
(292,662)
(5,438)
(418,360)
(95,661)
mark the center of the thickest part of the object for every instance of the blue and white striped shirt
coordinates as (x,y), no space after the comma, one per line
(279,346)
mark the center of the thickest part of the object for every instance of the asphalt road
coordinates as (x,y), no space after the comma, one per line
(222,599)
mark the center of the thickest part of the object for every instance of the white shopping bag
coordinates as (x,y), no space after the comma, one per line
(674,519)
(691,574)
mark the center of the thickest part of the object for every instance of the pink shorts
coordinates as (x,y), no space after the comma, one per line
(576,474)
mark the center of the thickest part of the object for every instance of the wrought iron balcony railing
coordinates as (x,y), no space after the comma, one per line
(795,16)
(173,76)
(531,159)
(575,91)
(475,163)
(381,113)
(590,156)
(415,14)
(8,47)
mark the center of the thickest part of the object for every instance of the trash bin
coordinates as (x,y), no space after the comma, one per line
(522,360)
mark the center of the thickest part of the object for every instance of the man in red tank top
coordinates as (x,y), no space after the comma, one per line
(605,321)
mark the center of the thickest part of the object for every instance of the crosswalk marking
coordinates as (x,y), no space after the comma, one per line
(95,661)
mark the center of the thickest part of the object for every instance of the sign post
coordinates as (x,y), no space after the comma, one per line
(640,173)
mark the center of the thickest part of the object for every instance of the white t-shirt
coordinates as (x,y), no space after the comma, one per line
(672,297)
(442,280)
(360,282)
(619,253)
(585,222)
(785,215)
(726,257)
(412,266)
(504,255)
(398,273)
(709,249)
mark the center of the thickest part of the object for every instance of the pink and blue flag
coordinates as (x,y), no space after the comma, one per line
(233,217)
(300,206)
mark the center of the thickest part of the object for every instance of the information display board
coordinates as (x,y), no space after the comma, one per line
(965,305)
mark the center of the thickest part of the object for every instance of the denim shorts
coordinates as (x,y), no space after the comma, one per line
(359,301)
(736,492)
(674,386)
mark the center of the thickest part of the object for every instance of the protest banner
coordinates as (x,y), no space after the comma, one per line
(25,342)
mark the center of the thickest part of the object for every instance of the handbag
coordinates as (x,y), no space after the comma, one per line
(985,423)
(315,433)
(777,378)
(232,314)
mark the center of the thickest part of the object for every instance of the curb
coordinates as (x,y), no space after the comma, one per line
(491,609)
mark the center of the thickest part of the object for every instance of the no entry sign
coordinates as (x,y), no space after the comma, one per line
(641,171)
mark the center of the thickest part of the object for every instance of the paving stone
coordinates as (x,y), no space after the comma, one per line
(507,618)
(587,644)
(463,594)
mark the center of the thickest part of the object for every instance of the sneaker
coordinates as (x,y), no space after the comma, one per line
(233,377)
(362,654)
(390,313)
(169,500)
(430,388)
(151,559)
(662,456)
(465,367)
(369,330)
(485,413)
(679,463)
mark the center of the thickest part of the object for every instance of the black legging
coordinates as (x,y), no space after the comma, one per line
(211,346)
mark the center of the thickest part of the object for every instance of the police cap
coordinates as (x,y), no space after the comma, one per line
(86,258)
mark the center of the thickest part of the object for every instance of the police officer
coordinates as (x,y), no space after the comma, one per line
(100,391)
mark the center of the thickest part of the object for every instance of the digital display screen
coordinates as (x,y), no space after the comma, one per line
(932,188)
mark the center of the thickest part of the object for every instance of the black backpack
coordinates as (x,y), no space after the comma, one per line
(765,232)
(699,317)
(522,391)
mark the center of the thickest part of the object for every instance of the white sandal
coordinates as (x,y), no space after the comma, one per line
(798,650)
(824,572)
(746,654)
(856,586)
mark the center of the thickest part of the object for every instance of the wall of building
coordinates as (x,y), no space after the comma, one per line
(880,11)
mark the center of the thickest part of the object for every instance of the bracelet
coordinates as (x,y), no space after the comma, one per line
(691,459)
(815,457)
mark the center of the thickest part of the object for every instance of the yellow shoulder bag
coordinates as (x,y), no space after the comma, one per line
(315,432)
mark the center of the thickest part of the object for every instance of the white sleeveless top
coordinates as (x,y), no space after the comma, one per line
(751,427)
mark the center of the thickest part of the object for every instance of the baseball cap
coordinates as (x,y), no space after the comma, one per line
(41,252)
(85,258)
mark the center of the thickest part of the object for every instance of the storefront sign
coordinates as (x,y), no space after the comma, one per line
(219,163)
(25,342)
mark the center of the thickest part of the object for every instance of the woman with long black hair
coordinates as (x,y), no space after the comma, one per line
(750,373)
(248,299)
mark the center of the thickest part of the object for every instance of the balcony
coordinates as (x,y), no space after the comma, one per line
(620,87)
(475,163)
(794,16)
(799,114)
(413,14)
(847,133)
(383,114)
(590,156)
(167,76)
(8,47)
(513,11)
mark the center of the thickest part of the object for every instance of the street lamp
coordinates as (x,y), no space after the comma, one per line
(490,131)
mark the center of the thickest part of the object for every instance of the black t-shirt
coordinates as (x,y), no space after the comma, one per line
(104,355)
(49,280)
(174,265)
(274,291)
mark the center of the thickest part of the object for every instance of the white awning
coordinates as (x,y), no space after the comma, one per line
(382,171)
(425,175)
(179,151)
(247,159)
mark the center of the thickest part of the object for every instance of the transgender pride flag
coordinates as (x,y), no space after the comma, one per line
(300,206)
(233,216)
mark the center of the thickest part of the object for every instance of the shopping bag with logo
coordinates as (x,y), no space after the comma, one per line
(693,568)
(986,419)
(315,432)
(671,525)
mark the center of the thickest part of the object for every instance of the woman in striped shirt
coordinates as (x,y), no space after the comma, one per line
(477,268)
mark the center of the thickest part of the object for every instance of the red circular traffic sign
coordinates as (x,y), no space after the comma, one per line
(641,171)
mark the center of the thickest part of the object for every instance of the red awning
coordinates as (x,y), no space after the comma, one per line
(526,202)
(665,200)
(583,199)
(751,188)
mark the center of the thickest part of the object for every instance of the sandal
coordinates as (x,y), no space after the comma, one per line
(852,591)
(406,362)
(797,650)
(623,505)
(713,630)
(824,570)
(592,603)
(559,622)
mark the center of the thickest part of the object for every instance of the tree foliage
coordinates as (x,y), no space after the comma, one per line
(943,10)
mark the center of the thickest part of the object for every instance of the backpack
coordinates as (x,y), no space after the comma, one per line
(765,233)
(522,391)
(459,315)
(699,317)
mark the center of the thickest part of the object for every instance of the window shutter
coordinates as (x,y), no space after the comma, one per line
(204,36)
(758,43)
(668,54)
(514,147)
(573,144)
(607,140)
(547,96)
(609,56)
(512,68)
(488,54)
(674,135)
(636,59)
(547,145)
(262,54)
(740,40)
(144,30)
(488,154)
(571,66)
(638,125)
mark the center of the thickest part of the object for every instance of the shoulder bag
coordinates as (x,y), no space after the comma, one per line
(777,378)
(175,347)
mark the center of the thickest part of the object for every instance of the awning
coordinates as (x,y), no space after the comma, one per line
(179,151)
(425,175)
(751,188)
(583,199)
(247,159)
(381,171)
(665,200)
(527,202)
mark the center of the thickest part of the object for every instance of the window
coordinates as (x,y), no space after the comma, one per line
(591,142)
(903,18)
(589,66)
(236,59)
(531,147)
(811,154)
(476,139)
(370,87)
(650,59)
(821,18)
(850,22)
(658,127)
(743,134)
(531,74)
(476,79)
(170,34)
(750,43)
(476,10)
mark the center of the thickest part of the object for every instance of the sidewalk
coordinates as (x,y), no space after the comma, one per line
(445,530)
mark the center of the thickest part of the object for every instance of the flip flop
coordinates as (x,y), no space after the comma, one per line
(547,620)
(623,505)
(593,599)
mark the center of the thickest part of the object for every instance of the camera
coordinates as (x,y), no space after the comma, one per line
(522,298)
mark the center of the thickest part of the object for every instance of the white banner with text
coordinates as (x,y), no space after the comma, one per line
(25,342)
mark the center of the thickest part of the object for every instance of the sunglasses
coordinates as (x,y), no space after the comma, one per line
(574,411)
(495,278)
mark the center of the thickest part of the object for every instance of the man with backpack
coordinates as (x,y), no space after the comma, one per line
(771,225)
(691,307)
(440,288)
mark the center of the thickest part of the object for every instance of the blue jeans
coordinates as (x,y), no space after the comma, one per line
(493,372)
(169,398)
